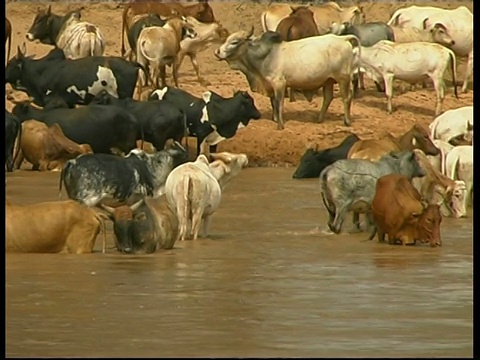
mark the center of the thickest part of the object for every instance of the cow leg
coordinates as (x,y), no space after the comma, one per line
(196,222)
(213,148)
(205,225)
(345,92)
(163,74)
(388,79)
(356,222)
(381,235)
(440,90)
(468,71)
(355,85)
(339,218)
(175,73)
(360,80)
(277,105)
(201,80)
(292,94)
(327,99)
(35,167)
(19,160)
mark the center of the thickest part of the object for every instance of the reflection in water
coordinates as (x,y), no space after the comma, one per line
(267,282)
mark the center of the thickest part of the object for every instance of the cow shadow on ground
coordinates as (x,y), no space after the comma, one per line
(416,110)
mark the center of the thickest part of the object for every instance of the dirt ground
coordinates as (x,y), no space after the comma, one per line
(261,141)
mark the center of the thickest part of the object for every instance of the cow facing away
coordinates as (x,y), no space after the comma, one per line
(325,59)
(410,62)
(140,22)
(51,227)
(194,190)
(459,166)
(158,47)
(398,212)
(349,184)
(144,227)
(313,161)
(47,148)
(92,179)
(75,37)
(200,11)
(458,22)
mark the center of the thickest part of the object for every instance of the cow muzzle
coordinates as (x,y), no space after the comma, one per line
(30,37)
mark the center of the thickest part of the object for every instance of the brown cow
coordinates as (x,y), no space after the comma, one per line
(8,36)
(47,148)
(52,227)
(398,211)
(415,138)
(298,25)
(439,189)
(200,11)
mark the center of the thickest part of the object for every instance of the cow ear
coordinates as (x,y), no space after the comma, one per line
(425,23)
(20,54)
(292,9)
(469,126)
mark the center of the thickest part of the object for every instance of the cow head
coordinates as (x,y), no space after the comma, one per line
(440,35)
(311,164)
(201,11)
(354,15)
(235,46)
(428,226)
(40,28)
(421,140)
(406,164)
(129,223)
(339,28)
(455,199)
(226,166)
(248,110)
(14,68)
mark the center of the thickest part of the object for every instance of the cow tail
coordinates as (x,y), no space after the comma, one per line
(264,21)
(324,192)
(185,131)
(355,42)
(124,28)
(183,209)
(453,170)
(62,178)
(144,71)
(93,44)
(442,161)
(453,67)
(394,19)
(19,144)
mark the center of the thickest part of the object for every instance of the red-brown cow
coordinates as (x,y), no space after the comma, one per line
(398,212)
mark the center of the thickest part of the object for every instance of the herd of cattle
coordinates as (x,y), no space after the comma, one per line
(85,122)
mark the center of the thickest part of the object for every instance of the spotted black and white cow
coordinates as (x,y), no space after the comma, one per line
(75,81)
(104,179)
(212,118)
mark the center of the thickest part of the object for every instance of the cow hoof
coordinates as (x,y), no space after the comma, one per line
(347,122)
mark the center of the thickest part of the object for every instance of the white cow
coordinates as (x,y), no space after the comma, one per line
(458,22)
(438,161)
(194,190)
(410,62)
(454,126)
(459,165)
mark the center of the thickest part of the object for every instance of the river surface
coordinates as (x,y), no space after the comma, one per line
(266,283)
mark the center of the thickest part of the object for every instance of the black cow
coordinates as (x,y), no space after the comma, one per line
(103,128)
(94,179)
(213,118)
(314,161)
(75,81)
(137,27)
(160,120)
(13,128)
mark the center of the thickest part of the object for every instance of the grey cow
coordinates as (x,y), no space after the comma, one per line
(349,184)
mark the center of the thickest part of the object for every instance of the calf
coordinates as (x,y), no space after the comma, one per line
(105,129)
(51,227)
(194,190)
(13,128)
(159,120)
(213,118)
(158,47)
(207,34)
(75,81)
(439,189)
(453,125)
(349,184)
(398,212)
(144,227)
(314,161)
(92,179)
(459,166)
(75,37)
(47,148)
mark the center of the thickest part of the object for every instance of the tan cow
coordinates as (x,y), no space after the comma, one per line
(373,149)
(399,212)
(158,47)
(324,16)
(207,34)
(439,189)
(200,11)
(194,190)
(437,34)
(52,227)
(47,148)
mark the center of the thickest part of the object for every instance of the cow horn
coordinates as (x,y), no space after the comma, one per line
(135,206)
(424,205)
(108,209)
(177,144)
(49,9)
(250,33)
(23,49)
(425,23)
(449,190)
(469,126)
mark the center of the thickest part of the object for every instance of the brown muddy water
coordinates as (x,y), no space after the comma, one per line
(268,282)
